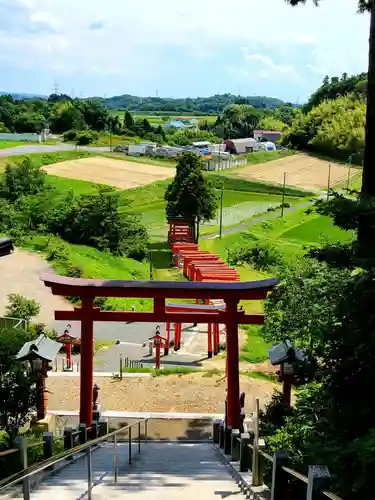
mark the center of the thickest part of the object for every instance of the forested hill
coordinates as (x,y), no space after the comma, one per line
(203,105)
(334,87)
(332,123)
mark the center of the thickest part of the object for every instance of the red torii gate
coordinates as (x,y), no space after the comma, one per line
(87,290)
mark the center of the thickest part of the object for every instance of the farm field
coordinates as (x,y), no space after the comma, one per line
(118,173)
(302,171)
(160,119)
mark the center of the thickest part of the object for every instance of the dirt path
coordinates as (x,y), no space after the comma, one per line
(20,273)
(194,393)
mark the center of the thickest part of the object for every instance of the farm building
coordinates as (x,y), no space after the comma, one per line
(239,146)
(270,135)
(175,124)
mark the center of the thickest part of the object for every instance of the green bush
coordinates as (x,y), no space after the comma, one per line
(57,250)
(22,179)
(84,138)
(21,307)
(261,256)
(70,135)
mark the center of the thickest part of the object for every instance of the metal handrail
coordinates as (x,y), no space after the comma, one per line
(330,495)
(25,474)
(8,452)
(296,474)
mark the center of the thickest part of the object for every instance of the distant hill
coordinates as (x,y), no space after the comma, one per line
(200,105)
(17,95)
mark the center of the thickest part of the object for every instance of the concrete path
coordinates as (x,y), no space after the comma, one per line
(40,148)
(163,471)
(20,273)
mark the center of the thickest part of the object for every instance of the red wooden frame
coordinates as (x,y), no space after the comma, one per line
(87,290)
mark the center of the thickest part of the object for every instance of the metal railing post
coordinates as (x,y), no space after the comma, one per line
(89,473)
(130,445)
(255,465)
(21,444)
(146,430)
(115,459)
(139,437)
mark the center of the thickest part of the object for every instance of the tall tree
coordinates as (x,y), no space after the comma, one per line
(190,194)
(366,230)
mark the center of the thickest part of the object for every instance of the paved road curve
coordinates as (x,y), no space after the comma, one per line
(40,148)
(163,471)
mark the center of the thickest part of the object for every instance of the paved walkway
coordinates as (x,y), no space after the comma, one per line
(163,471)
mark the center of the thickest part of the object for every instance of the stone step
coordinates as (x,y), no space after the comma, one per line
(163,471)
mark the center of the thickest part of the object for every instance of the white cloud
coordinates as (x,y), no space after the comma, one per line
(276,70)
(55,36)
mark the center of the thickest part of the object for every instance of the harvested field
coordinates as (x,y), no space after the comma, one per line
(302,171)
(192,393)
(118,173)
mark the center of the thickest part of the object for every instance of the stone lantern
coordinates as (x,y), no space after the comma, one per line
(40,353)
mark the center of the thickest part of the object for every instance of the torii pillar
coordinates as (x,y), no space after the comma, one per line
(233,374)
(87,361)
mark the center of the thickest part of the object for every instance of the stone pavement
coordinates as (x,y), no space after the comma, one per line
(163,471)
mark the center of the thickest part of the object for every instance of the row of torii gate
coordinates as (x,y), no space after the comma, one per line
(215,288)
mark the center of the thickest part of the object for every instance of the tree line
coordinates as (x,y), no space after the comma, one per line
(332,123)
(203,105)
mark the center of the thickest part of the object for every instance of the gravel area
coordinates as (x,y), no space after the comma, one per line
(20,273)
(194,393)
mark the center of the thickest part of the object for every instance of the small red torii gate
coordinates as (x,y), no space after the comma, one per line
(87,290)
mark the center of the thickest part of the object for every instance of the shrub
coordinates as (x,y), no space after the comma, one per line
(57,251)
(70,135)
(261,256)
(22,179)
(84,138)
(22,307)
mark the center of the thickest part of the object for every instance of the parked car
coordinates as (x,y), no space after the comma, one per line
(6,246)
(121,149)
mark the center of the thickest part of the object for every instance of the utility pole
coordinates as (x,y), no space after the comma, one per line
(150,261)
(283,196)
(221,210)
(329,181)
(349,168)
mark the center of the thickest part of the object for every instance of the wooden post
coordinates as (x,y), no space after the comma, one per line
(168,337)
(280,478)
(216,338)
(157,356)
(87,362)
(318,480)
(40,395)
(235,448)
(209,340)
(233,376)
(21,444)
(82,436)
(47,445)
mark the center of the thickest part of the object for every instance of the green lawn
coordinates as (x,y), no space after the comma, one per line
(11,144)
(97,265)
(317,230)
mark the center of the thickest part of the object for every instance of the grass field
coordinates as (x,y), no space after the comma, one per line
(160,119)
(302,171)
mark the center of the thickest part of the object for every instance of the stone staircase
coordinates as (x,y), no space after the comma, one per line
(162,471)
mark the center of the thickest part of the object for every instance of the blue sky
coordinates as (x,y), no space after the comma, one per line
(178,47)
